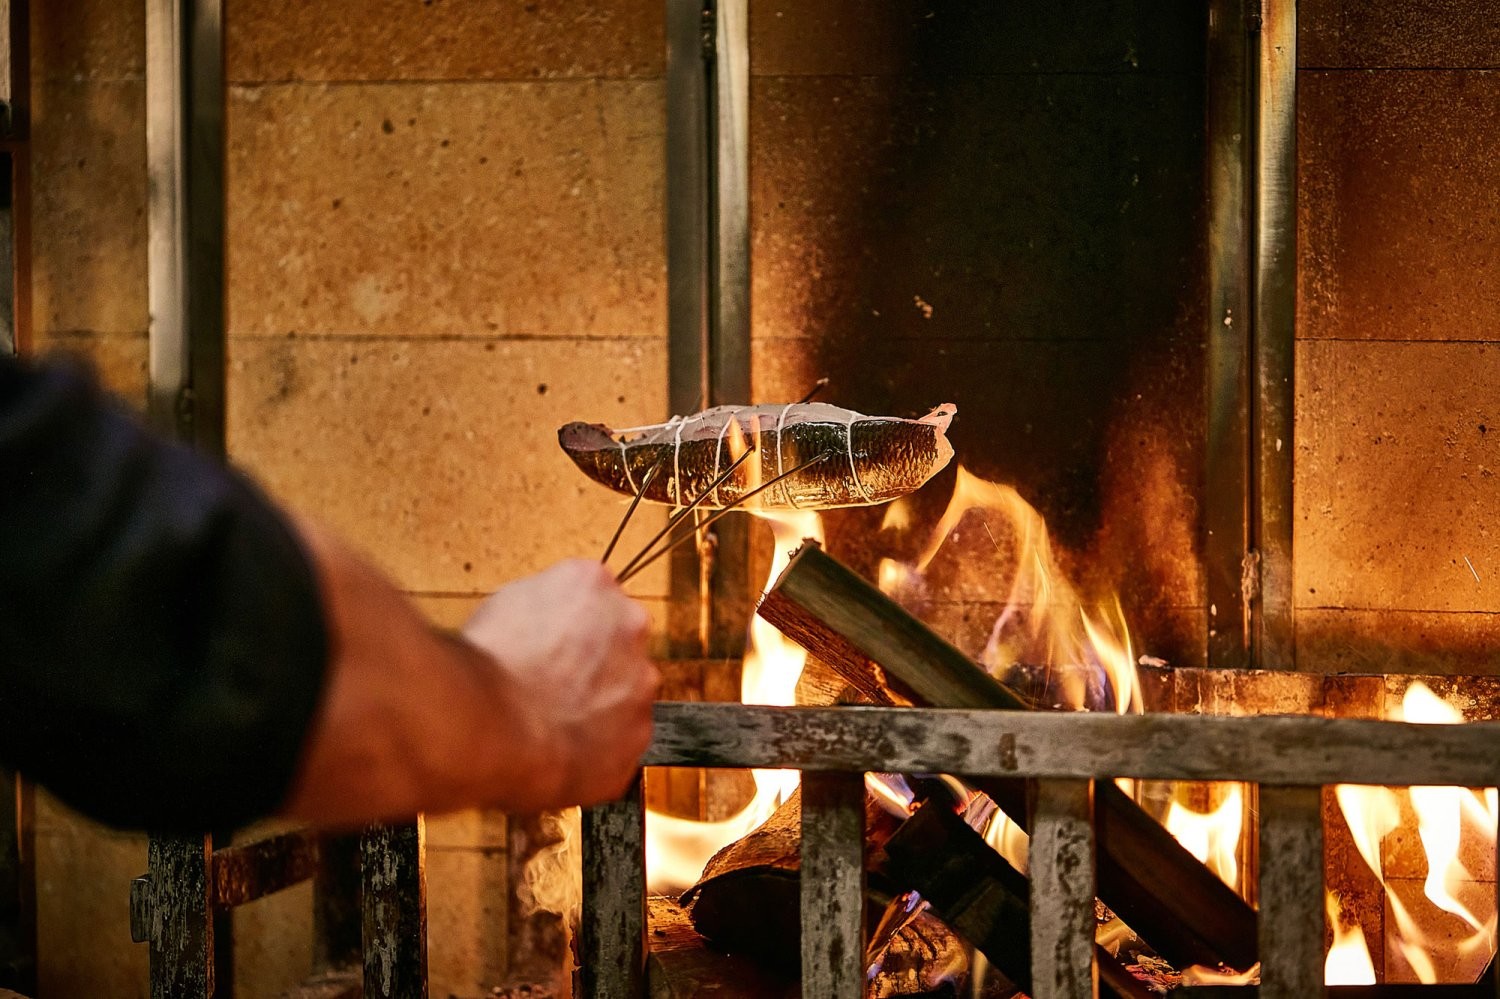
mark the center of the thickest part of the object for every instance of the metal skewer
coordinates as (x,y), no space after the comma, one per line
(638,565)
(818,386)
(630,510)
(684,512)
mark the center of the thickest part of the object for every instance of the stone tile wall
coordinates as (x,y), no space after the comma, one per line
(446,240)
(1397,545)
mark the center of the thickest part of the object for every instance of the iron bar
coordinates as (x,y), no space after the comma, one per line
(1275,314)
(612,935)
(708,284)
(1061,875)
(833,885)
(1284,749)
(1291,891)
(185,217)
(394,910)
(1226,508)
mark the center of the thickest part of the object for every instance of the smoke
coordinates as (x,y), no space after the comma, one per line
(552,880)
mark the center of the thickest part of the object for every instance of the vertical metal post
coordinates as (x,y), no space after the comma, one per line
(708,283)
(612,932)
(1273,637)
(1252,169)
(185,217)
(833,885)
(15,175)
(1227,545)
(1062,891)
(17,816)
(337,917)
(179,918)
(1291,892)
(394,908)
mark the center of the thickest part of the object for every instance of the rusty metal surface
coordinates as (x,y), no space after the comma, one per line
(1275,749)
(1061,875)
(1228,333)
(394,904)
(248,871)
(1291,901)
(178,919)
(833,885)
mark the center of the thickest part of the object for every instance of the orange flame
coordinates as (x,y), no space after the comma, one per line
(1348,960)
(1213,837)
(1372,813)
(676,848)
(1044,621)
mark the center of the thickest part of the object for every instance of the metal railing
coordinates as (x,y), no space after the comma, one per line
(1290,758)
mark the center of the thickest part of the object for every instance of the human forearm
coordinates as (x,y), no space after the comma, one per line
(547,705)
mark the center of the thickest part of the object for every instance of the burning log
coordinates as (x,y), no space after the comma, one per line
(748,900)
(681,966)
(981,896)
(1175,903)
(747,903)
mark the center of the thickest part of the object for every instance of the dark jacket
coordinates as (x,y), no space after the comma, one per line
(162,646)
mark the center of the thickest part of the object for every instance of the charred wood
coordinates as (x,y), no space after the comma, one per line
(981,896)
(748,900)
(680,965)
(1175,903)
(1386,991)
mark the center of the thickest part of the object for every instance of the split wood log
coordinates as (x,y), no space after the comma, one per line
(748,903)
(680,965)
(1165,893)
(748,900)
(981,896)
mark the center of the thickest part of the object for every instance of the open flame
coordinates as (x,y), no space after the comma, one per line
(1348,960)
(676,848)
(1082,649)
(1213,837)
(1373,813)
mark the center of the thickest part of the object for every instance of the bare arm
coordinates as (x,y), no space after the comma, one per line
(544,701)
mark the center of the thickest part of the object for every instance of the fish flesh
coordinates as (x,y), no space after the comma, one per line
(869,459)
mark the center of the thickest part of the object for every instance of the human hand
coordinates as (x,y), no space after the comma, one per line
(573,646)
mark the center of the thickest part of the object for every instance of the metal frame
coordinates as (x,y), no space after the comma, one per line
(708,286)
(181,907)
(185,218)
(18,814)
(1290,757)
(370,910)
(1252,92)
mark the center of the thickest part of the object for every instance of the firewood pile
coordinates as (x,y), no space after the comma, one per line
(869,650)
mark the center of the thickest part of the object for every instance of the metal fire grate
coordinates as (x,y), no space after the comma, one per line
(1290,758)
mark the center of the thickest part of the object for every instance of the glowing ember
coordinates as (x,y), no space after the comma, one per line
(677,849)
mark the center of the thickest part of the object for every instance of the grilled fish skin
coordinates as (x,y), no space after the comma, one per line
(871,459)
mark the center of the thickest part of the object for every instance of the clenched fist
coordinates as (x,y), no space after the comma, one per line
(572,647)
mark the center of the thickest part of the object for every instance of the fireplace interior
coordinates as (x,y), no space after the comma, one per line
(1210,286)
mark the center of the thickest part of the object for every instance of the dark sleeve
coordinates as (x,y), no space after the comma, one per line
(162,646)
